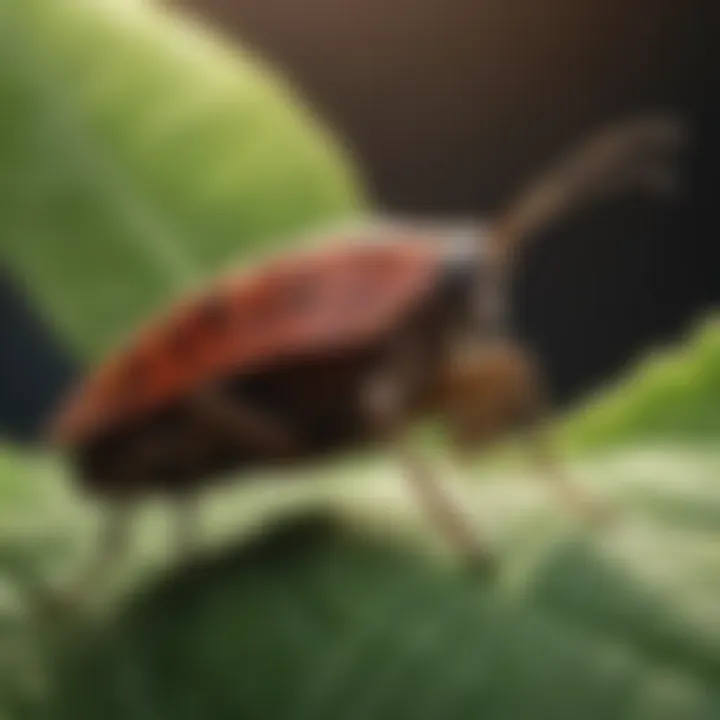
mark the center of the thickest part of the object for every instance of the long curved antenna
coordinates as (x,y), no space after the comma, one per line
(641,155)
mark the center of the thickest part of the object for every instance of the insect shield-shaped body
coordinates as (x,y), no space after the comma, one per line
(271,366)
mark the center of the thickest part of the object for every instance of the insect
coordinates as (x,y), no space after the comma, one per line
(347,343)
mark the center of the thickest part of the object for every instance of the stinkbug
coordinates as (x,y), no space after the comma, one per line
(349,342)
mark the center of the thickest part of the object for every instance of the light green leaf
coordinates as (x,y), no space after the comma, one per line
(671,395)
(139,154)
(338,621)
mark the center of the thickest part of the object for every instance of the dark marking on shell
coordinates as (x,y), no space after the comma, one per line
(136,375)
(213,313)
(181,342)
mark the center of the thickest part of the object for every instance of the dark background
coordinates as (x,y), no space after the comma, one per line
(448,105)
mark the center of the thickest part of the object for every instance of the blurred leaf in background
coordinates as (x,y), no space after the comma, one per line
(138,155)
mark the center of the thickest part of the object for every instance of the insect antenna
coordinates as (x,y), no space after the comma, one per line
(642,155)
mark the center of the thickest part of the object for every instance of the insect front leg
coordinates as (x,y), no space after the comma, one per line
(386,400)
(443,509)
(244,421)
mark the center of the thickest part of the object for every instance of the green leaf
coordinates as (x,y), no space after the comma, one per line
(322,617)
(139,154)
(674,394)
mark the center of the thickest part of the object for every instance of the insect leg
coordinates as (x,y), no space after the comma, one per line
(247,423)
(545,458)
(444,510)
(386,402)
